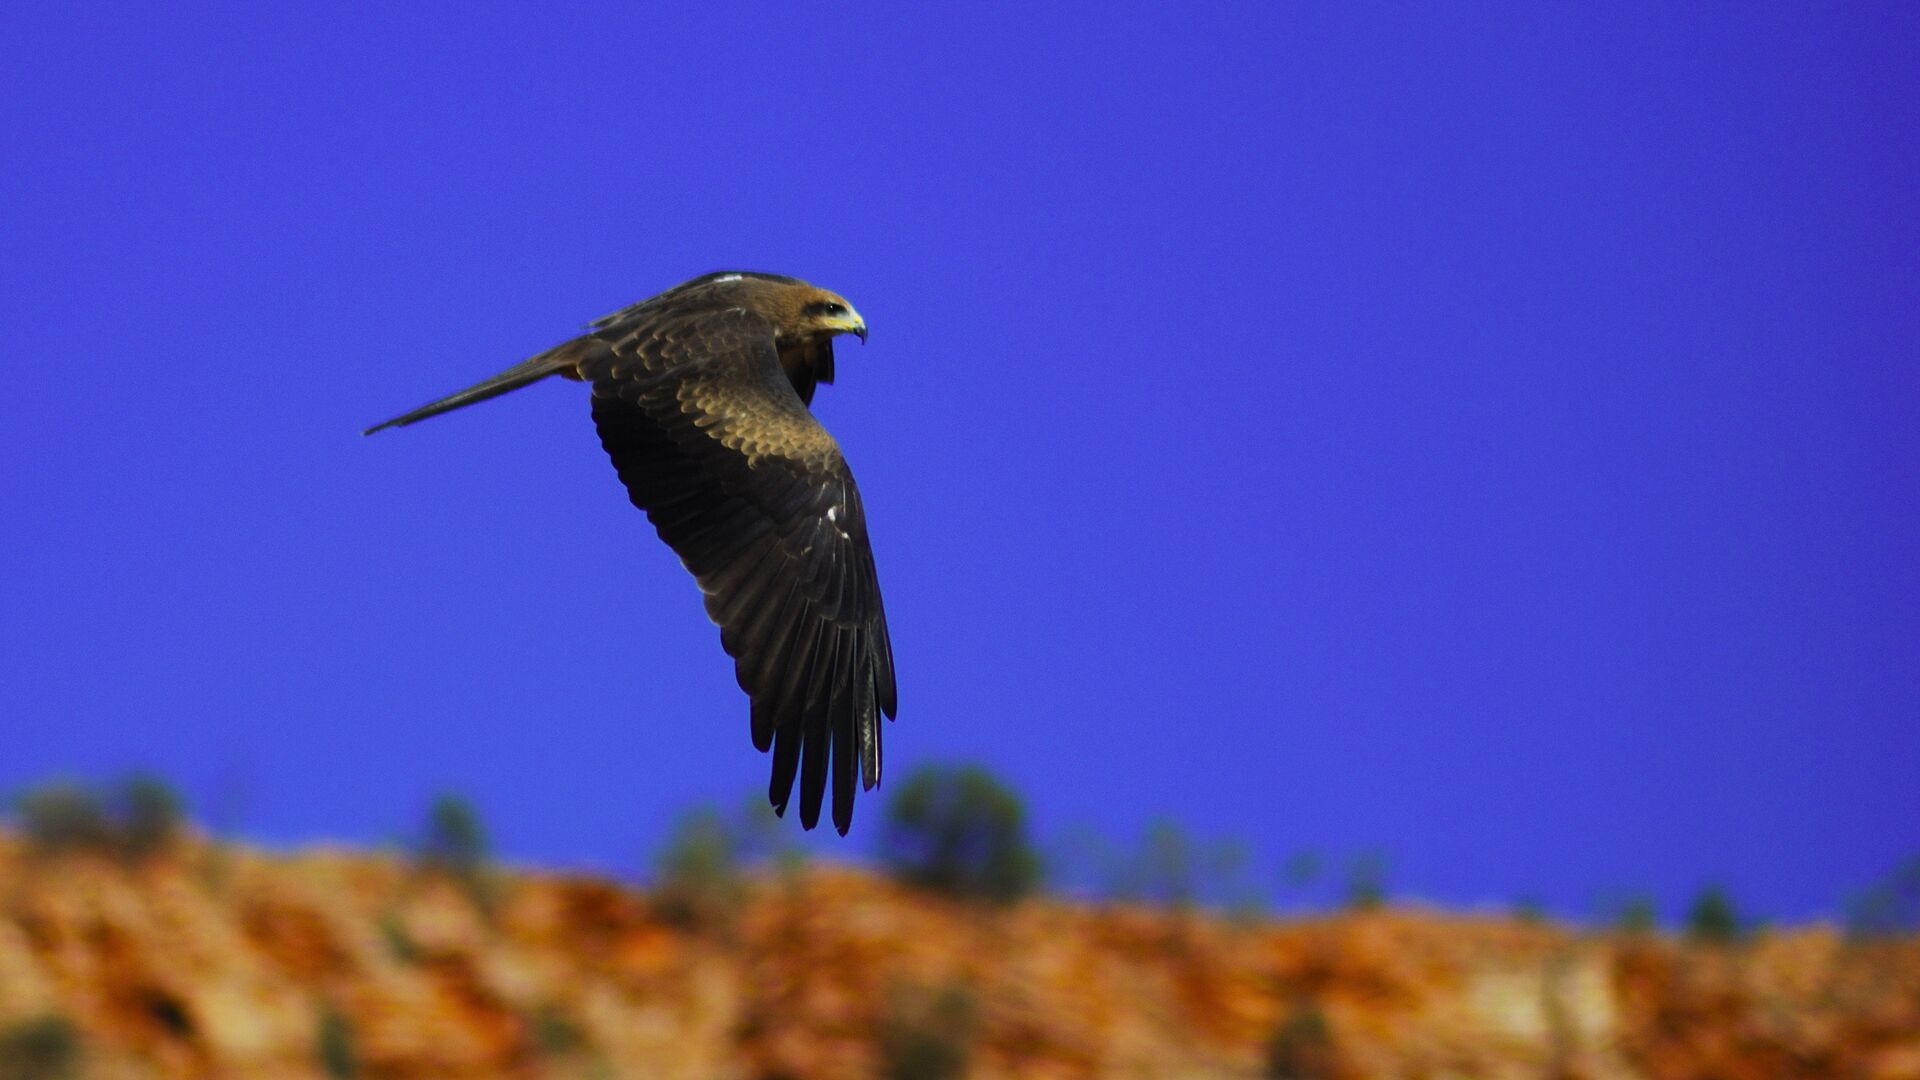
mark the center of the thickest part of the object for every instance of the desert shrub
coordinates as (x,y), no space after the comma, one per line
(960,832)
(399,942)
(928,1036)
(455,843)
(148,813)
(554,1032)
(1890,908)
(1637,915)
(701,874)
(1301,1048)
(1366,882)
(454,840)
(334,1045)
(137,817)
(1301,870)
(64,817)
(701,883)
(1173,868)
(44,1048)
(1713,919)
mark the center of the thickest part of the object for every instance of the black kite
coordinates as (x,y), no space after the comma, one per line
(701,396)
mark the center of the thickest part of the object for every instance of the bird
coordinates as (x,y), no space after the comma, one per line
(702,398)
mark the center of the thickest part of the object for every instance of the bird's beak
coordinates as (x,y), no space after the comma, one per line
(860,331)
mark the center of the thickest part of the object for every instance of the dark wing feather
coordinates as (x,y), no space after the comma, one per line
(712,441)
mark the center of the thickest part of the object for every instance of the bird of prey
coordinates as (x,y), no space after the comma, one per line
(701,398)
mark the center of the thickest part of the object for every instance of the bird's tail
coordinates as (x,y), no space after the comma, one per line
(559,360)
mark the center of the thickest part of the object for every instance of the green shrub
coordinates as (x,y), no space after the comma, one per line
(1173,868)
(334,1045)
(1301,870)
(555,1033)
(928,1036)
(399,942)
(962,833)
(455,841)
(1637,915)
(149,815)
(1302,1047)
(44,1048)
(455,844)
(65,817)
(700,882)
(1367,882)
(1712,919)
(136,818)
(1890,908)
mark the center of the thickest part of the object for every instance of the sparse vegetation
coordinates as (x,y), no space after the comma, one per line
(399,942)
(1712,919)
(701,883)
(334,1045)
(455,844)
(928,1036)
(701,874)
(134,819)
(64,817)
(961,833)
(1367,882)
(454,841)
(1637,915)
(1174,869)
(1301,870)
(44,1048)
(1302,1047)
(554,1032)
(1890,908)
(148,813)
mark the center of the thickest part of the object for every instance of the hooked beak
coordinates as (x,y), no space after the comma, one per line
(860,331)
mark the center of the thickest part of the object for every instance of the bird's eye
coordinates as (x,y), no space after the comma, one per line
(834,309)
(826,309)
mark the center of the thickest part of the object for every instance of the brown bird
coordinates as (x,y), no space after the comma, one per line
(701,397)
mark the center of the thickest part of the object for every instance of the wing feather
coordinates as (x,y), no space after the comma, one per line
(713,441)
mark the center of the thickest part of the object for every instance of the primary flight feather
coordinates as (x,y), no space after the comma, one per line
(701,398)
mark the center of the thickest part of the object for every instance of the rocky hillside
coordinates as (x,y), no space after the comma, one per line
(223,962)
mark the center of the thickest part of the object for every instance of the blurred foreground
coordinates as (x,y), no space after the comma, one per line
(212,960)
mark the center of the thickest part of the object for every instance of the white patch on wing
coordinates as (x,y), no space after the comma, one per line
(726,277)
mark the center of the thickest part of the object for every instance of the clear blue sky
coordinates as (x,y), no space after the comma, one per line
(1487,437)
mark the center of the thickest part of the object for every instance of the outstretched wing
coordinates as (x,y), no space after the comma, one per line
(751,492)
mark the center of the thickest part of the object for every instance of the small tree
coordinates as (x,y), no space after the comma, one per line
(1302,1048)
(1637,915)
(46,1048)
(960,832)
(149,814)
(455,841)
(1890,908)
(928,1036)
(1301,870)
(65,817)
(1367,882)
(334,1045)
(1713,919)
(701,883)
(455,844)
(1174,868)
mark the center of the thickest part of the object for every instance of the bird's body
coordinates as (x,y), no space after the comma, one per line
(701,396)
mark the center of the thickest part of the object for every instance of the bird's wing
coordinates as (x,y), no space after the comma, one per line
(751,492)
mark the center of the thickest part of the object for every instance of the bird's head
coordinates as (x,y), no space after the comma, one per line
(825,314)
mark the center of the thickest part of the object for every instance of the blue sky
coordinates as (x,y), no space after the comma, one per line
(1488,437)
